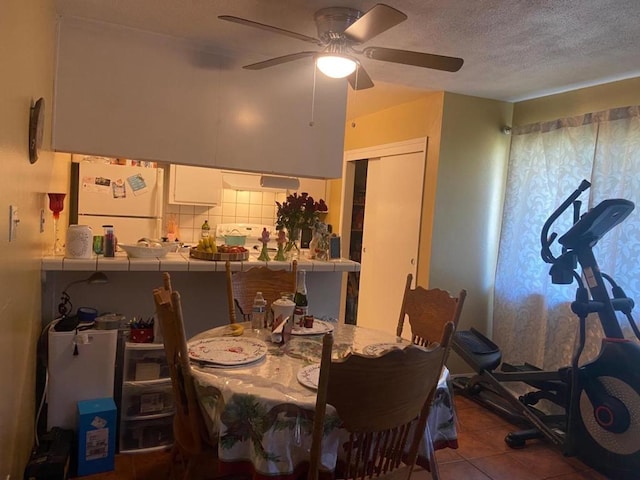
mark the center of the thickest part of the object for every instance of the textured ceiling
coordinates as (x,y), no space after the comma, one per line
(513,50)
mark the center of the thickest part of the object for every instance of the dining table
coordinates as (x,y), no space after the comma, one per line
(258,397)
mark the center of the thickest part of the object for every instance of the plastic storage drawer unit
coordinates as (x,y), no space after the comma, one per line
(139,435)
(145,361)
(147,399)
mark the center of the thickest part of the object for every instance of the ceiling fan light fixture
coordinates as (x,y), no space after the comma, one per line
(336,66)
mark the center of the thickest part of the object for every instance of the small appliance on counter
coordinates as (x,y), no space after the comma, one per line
(79,241)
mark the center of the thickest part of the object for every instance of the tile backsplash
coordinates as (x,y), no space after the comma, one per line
(236,207)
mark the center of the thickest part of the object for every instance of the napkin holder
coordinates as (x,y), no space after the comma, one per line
(281,331)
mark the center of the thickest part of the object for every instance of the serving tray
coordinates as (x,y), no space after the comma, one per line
(218,257)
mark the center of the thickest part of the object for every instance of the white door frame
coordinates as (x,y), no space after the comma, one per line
(348,171)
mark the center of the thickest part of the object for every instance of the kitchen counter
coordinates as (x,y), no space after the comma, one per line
(182,262)
(201,283)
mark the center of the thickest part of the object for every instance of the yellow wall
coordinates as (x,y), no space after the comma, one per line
(416,119)
(27,39)
(468,207)
(577,102)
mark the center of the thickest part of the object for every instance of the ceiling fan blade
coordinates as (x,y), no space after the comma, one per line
(418,59)
(279,60)
(359,80)
(376,20)
(270,28)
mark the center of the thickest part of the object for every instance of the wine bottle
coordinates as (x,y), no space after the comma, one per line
(300,299)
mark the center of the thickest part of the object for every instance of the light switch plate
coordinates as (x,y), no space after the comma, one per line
(13,221)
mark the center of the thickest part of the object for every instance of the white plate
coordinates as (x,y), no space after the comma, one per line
(227,351)
(309,376)
(319,327)
(377,349)
(215,366)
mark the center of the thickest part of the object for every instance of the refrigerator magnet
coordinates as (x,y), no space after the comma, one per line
(137,184)
(119,189)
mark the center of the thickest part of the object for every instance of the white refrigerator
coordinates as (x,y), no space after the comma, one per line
(128,197)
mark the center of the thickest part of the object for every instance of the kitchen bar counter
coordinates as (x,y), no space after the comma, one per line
(182,262)
(201,283)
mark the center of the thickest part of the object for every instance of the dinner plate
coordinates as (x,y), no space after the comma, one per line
(377,349)
(227,351)
(309,376)
(215,366)
(319,327)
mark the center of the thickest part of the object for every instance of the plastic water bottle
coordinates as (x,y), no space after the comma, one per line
(258,313)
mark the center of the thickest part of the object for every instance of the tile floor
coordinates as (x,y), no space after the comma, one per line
(482,455)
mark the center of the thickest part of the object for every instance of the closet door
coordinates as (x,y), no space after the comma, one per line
(391,236)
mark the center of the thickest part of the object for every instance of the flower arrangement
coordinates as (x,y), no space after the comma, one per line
(298,212)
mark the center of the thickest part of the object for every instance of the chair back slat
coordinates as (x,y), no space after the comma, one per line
(189,424)
(382,402)
(428,311)
(242,287)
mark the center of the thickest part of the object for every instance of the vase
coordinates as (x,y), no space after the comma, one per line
(280,253)
(264,254)
(292,247)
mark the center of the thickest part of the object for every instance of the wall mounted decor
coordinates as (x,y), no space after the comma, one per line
(36,126)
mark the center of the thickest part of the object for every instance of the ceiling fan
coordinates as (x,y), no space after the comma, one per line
(340,30)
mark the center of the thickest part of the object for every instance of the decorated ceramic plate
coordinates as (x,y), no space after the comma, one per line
(377,349)
(309,376)
(319,327)
(227,351)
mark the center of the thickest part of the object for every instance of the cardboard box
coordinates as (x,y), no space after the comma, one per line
(96,436)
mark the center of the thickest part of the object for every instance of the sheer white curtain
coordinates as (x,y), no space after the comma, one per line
(533,321)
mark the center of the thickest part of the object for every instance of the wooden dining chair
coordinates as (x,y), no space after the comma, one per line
(242,288)
(429,310)
(191,439)
(383,403)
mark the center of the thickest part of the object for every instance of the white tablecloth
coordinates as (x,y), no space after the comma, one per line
(263,416)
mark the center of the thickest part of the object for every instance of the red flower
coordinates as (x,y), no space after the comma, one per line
(299,211)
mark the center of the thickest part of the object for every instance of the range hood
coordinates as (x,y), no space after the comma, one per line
(258,183)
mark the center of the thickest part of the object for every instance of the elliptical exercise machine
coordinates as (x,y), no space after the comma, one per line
(600,423)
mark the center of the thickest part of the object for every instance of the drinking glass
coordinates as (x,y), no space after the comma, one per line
(56,205)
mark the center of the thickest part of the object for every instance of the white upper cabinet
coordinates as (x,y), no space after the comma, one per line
(120,92)
(195,185)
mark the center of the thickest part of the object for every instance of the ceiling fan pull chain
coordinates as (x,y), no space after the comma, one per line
(355,92)
(313,96)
